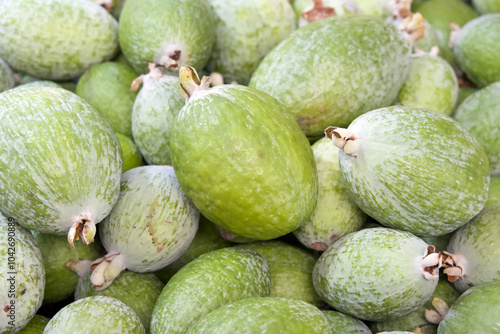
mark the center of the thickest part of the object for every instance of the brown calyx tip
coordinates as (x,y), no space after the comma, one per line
(401,9)
(319,246)
(455,30)
(344,139)
(431,262)
(452,266)
(412,26)
(437,315)
(319,11)
(106,4)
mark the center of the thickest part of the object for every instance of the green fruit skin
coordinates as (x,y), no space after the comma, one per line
(291,270)
(7,78)
(476,311)
(444,291)
(374,274)
(264,315)
(56,39)
(40,84)
(107,88)
(477,49)
(477,247)
(440,13)
(335,214)
(263,184)
(95,315)
(429,40)
(431,84)
(341,323)
(207,239)
(463,93)
(150,29)
(210,281)
(60,160)
(61,282)
(493,192)
(20,254)
(35,326)
(480,115)
(245,32)
(346,66)
(416,170)
(486,6)
(153,222)
(154,111)
(131,156)
(137,291)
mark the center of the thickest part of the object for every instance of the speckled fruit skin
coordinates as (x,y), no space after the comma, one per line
(59,160)
(107,88)
(262,181)
(95,315)
(333,70)
(150,29)
(374,274)
(7,79)
(477,310)
(210,281)
(56,39)
(480,115)
(245,32)
(35,326)
(335,214)
(416,170)
(264,315)
(341,323)
(138,291)
(477,49)
(486,6)
(431,84)
(477,247)
(22,275)
(153,222)
(155,108)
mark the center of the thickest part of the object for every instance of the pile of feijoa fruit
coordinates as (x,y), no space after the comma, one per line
(250,166)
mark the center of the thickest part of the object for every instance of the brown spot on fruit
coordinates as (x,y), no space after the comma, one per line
(319,246)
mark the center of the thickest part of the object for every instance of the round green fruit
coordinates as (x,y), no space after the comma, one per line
(131,156)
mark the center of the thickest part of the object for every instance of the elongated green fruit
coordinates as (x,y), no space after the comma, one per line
(35,326)
(60,163)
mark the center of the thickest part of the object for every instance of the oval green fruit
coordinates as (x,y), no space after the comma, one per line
(35,326)
(486,6)
(341,323)
(131,156)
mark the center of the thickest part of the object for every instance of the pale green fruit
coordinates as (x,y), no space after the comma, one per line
(7,77)
(131,156)
(341,323)
(493,192)
(463,93)
(210,281)
(335,214)
(263,315)
(245,32)
(40,84)
(487,6)
(377,274)
(95,315)
(414,169)
(35,326)
(22,275)
(56,39)
(431,84)
(480,115)
(429,40)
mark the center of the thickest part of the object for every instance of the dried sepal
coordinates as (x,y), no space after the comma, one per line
(319,12)
(105,270)
(413,27)
(190,81)
(455,30)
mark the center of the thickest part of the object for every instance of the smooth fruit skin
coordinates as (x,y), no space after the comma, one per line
(21,294)
(56,39)
(244,162)
(95,315)
(493,192)
(60,161)
(341,323)
(477,49)
(7,78)
(264,315)
(374,274)
(333,70)
(35,326)
(131,156)
(486,6)
(477,310)
(207,283)
(416,170)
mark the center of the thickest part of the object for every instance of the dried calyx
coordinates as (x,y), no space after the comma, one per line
(106,269)
(190,81)
(80,267)
(411,24)
(343,139)
(319,11)
(85,228)
(455,30)
(155,73)
(453,267)
(437,315)
(107,4)
(431,262)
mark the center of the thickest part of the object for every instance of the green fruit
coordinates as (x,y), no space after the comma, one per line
(335,214)
(440,242)
(40,84)
(264,315)
(7,78)
(64,38)
(210,281)
(344,65)
(463,93)
(477,49)
(138,291)
(431,84)
(155,108)
(486,6)
(35,326)
(291,270)
(413,169)
(61,162)
(95,315)
(245,32)
(60,280)
(131,156)
(262,182)
(480,115)
(169,33)
(22,275)
(150,226)
(493,192)
(476,311)
(377,274)
(341,323)
(429,40)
